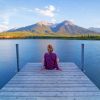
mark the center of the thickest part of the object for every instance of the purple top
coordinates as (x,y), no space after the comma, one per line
(50,61)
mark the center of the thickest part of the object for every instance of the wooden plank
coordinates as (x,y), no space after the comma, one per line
(45,73)
(49,85)
(49,89)
(51,82)
(33,84)
(51,98)
(50,78)
(50,94)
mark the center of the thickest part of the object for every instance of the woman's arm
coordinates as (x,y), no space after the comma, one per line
(57,60)
(44,61)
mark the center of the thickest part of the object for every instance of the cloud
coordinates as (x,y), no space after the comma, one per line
(27,9)
(3,27)
(46,11)
(72,21)
(7,16)
(5,19)
(96,23)
(53,20)
(4,23)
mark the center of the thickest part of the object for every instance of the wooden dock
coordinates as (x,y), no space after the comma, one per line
(33,84)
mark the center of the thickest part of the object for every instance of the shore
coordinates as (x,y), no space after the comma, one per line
(30,35)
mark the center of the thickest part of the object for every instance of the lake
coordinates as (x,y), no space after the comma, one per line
(32,50)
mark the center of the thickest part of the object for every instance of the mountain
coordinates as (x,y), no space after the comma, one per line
(95,29)
(69,27)
(46,27)
(37,28)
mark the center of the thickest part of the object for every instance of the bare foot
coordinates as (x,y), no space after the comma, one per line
(42,69)
(59,69)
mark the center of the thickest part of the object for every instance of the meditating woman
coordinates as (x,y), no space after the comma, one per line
(50,59)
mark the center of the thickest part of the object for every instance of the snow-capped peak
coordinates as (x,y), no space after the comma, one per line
(45,23)
(67,22)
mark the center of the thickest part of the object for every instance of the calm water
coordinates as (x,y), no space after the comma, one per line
(33,50)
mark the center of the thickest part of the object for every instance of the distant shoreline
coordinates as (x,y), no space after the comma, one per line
(63,38)
(31,35)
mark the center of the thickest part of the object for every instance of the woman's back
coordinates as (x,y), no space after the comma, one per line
(50,61)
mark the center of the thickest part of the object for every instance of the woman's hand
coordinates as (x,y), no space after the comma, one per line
(59,69)
(43,68)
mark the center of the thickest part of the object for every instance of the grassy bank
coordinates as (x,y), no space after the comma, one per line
(31,35)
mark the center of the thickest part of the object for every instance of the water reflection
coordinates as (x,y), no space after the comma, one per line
(33,51)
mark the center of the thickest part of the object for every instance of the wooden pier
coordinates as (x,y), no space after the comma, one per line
(31,83)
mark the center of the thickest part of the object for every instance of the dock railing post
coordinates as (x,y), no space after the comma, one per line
(82,57)
(17,56)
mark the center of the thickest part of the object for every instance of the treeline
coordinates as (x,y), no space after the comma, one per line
(31,35)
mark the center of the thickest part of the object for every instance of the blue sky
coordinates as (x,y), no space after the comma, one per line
(17,13)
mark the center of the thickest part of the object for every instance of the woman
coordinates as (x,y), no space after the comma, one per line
(50,59)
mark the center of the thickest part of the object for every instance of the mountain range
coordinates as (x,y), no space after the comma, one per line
(94,29)
(64,27)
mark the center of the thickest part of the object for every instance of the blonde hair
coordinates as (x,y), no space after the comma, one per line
(50,48)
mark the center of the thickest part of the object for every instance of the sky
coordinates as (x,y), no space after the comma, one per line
(18,13)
